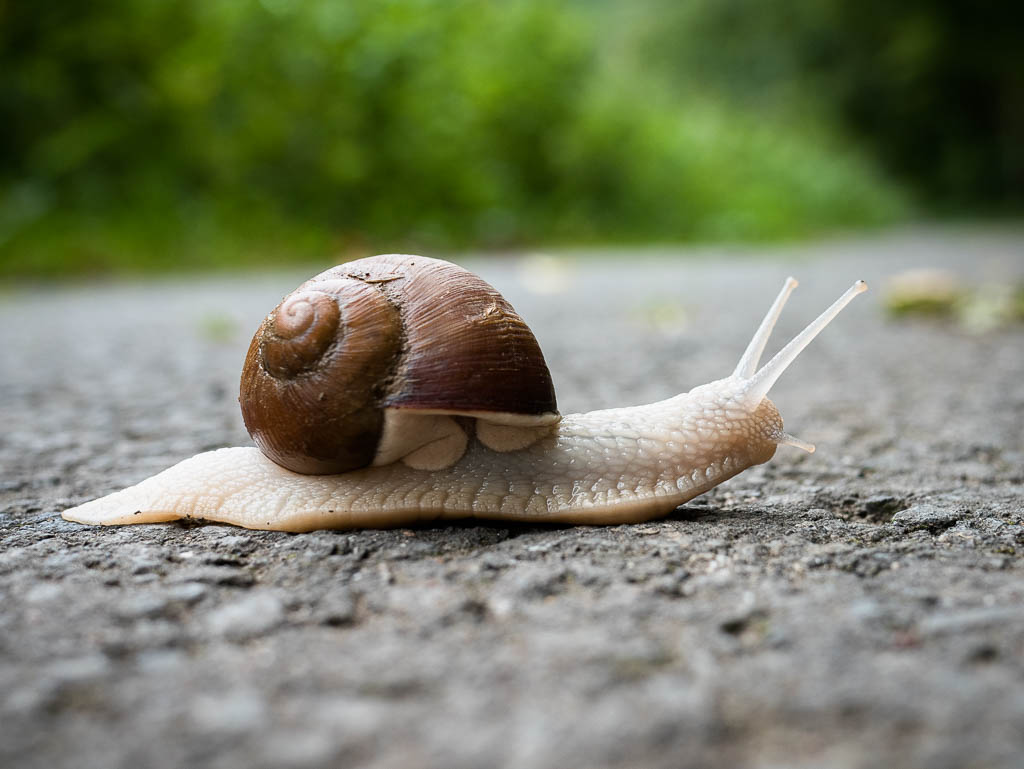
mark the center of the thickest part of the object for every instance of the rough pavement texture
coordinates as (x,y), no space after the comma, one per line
(859,607)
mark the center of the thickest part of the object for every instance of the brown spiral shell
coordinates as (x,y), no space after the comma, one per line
(392,331)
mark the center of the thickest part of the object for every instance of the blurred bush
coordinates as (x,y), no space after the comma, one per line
(143,134)
(935,88)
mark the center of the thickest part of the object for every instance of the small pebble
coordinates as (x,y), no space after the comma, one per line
(187,592)
(44,592)
(232,576)
(237,712)
(927,516)
(249,617)
(337,608)
(139,605)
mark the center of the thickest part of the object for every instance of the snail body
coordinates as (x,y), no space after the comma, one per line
(494,454)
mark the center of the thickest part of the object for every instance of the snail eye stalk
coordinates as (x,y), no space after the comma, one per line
(759,384)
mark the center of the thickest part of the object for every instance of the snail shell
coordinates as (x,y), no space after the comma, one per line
(390,358)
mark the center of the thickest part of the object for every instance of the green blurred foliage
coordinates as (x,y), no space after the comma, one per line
(141,134)
(935,88)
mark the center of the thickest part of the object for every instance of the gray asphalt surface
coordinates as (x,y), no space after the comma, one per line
(859,607)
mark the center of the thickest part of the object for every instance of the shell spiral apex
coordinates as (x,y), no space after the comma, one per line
(298,333)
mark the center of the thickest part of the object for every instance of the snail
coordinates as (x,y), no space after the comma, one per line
(399,388)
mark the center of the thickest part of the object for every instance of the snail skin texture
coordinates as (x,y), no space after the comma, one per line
(422,453)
